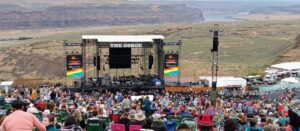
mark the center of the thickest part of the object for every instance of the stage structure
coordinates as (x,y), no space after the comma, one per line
(113,54)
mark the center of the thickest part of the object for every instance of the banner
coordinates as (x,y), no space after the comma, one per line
(125,45)
(74,66)
(171,64)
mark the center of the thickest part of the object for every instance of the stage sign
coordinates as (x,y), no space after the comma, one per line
(125,45)
(171,64)
(74,66)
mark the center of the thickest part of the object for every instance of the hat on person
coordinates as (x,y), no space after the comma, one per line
(156,116)
(139,116)
(268,105)
(205,120)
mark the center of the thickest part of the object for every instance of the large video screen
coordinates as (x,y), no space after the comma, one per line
(74,66)
(119,58)
(171,64)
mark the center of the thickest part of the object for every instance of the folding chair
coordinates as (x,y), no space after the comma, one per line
(95,125)
(176,119)
(62,114)
(118,127)
(105,120)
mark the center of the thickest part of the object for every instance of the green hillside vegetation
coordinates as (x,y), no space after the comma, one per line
(245,47)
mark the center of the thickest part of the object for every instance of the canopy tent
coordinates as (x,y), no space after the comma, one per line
(6,85)
(290,80)
(224,81)
(290,66)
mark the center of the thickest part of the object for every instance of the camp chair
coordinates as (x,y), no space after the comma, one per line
(171,126)
(62,114)
(176,119)
(95,125)
(106,121)
(159,126)
(39,115)
(187,117)
(118,127)
(135,127)
(190,122)
(115,118)
(6,106)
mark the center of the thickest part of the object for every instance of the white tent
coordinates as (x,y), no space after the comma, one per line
(224,81)
(6,85)
(290,80)
(290,66)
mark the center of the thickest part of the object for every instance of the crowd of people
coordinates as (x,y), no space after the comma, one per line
(148,80)
(152,110)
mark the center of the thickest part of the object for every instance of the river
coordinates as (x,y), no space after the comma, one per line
(224,17)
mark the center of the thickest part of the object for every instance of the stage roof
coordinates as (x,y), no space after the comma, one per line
(123,38)
(288,66)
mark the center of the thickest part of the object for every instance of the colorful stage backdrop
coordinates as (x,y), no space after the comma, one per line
(74,66)
(171,64)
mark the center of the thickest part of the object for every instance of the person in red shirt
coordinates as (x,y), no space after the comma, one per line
(280,109)
(20,120)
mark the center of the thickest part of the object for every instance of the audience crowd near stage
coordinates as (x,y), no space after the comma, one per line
(141,80)
(54,108)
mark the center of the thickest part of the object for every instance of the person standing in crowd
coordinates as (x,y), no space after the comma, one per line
(125,120)
(126,103)
(20,120)
(165,101)
(33,94)
(110,102)
(53,95)
(210,109)
(147,105)
(249,110)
